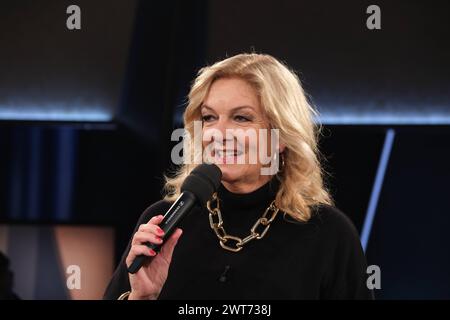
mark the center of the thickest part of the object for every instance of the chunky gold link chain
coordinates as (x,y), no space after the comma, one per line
(233,243)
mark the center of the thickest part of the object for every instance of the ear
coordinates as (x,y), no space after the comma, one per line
(282,147)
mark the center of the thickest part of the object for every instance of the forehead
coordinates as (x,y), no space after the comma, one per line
(229,93)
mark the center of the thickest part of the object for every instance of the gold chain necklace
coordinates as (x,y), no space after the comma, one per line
(224,237)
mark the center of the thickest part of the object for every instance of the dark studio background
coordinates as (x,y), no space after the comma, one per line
(86,115)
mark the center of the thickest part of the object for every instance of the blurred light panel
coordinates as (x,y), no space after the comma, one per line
(345,117)
(377,186)
(340,115)
(49,113)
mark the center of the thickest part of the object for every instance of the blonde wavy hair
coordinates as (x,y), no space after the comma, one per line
(283,100)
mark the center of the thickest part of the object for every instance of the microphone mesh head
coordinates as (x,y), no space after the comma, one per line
(203,181)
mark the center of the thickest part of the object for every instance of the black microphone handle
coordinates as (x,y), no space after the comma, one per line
(179,209)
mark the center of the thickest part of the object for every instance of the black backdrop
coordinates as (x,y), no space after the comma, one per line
(135,60)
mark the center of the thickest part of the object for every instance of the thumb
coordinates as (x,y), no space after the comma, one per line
(168,247)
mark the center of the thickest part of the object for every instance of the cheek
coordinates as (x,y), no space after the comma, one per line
(251,140)
(261,142)
(208,136)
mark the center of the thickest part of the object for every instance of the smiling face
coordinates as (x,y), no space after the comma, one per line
(233,104)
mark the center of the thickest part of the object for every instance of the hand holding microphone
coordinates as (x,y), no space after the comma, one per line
(147,282)
(147,268)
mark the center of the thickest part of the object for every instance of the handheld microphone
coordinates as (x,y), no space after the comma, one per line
(197,189)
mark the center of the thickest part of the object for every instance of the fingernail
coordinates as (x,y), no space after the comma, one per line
(160,231)
(152,252)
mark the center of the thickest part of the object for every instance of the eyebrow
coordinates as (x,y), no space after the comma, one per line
(233,109)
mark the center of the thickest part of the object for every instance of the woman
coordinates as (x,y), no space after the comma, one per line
(304,248)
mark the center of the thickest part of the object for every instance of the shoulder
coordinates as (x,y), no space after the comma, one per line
(330,225)
(336,231)
(333,220)
(345,272)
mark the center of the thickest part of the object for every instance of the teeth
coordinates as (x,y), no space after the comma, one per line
(228,153)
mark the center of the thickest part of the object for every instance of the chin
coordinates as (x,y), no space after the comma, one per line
(231,172)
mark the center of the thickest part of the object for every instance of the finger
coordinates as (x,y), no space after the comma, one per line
(152,228)
(138,250)
(169,245)
(142,237)
(156,219)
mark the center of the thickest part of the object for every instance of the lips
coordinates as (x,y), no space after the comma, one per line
(228,153)
(227,156)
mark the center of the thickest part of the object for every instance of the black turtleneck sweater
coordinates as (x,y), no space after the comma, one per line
(320,259)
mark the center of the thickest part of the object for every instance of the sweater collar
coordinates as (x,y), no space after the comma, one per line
(258,198)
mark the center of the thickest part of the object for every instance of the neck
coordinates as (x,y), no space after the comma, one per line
(246,186)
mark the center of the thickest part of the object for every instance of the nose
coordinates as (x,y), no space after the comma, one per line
(220,130)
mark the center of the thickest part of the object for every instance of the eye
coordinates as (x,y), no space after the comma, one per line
(207,118)
(241,119)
